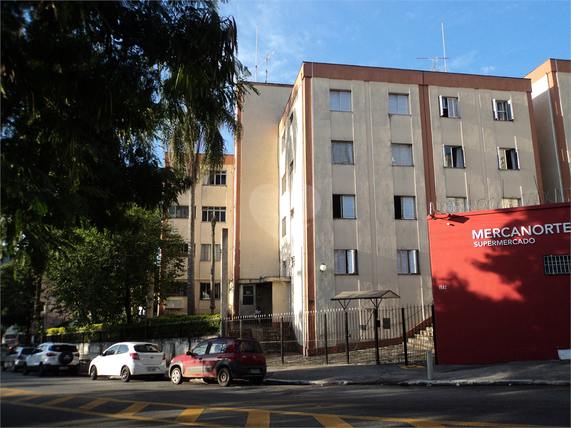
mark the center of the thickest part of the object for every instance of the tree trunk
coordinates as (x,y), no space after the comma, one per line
(190,309)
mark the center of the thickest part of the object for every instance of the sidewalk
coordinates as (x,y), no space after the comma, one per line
(551,372)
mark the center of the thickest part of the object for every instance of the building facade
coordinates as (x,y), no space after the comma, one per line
(551,89)
(214,197)
(336,175)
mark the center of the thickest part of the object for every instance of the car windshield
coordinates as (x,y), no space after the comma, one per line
(147,347)
(63,348)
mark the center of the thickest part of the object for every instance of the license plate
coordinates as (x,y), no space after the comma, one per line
(63,367)
(255,371)
(152,369)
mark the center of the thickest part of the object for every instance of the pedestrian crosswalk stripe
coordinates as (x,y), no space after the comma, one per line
(93,404)
(258,418)
(58,400)
(331,421)
(189,415)
(131,410)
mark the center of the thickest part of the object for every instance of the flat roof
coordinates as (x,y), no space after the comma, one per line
(370,294)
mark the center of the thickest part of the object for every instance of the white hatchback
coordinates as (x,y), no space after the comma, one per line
(128,359)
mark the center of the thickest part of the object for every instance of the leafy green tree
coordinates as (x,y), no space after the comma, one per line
(18,288)
(105,276)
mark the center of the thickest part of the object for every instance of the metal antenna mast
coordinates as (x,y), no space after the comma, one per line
(444,48)
(266,59)
(435,59)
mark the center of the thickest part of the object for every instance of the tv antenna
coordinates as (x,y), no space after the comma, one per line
(266,60)
(435,59)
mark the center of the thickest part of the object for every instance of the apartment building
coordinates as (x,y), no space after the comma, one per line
(214,197)
(551,89)
(336,175)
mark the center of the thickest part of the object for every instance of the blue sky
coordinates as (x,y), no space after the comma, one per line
(499,38)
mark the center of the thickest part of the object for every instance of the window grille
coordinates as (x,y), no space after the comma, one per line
(557,265)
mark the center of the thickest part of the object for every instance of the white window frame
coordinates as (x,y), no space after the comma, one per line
(345,262)
(508,157)
(448,107)
(398,104)
(342,152)
(503,110)
(179,211)
(407,262)
(339,100)
(407,207)
(206,252)
(219,212)
(284,226)
(205,291)
(456,157)
(401,154)
(346,206)
(215,178)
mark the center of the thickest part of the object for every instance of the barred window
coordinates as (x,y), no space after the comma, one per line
(219,212)
(556,265)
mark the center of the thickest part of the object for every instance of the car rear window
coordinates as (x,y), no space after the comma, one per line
(147,347)
(27,351)
(249,346)
(63,348)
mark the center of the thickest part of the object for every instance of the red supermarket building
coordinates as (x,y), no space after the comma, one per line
(501,284)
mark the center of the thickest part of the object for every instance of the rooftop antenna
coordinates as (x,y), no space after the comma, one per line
(266,60)
(435,59)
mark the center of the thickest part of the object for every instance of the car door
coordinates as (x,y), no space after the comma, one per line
(193,364)
(215,353)
(105,362)
(34,359)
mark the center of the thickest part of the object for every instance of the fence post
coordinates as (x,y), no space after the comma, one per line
(325,337)
(347,335)
(404,337)
(434,335)
(282,338)
(240,328)
(376,327)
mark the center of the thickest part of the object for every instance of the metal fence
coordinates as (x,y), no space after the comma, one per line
(404,334)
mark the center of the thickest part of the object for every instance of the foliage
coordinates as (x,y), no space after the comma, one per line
(18,288)
(106,275)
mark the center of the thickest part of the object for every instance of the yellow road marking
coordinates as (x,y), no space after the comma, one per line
(331,421)
(258,418)
(28,397)
(93,404)
(10,394)
(131,410)
(189,411)
(58,400)
(189,416)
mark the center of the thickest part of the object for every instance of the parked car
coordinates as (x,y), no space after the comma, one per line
(128,359)
(52,357)
(16,358)
(222,360)
(4,352)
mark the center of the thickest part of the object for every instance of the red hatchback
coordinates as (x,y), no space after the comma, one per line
(221,359)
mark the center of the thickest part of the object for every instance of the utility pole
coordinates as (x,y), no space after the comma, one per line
(212,262)
(224,282)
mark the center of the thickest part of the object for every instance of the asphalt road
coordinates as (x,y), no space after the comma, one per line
(77,401)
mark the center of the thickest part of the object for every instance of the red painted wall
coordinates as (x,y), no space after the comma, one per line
(493,301)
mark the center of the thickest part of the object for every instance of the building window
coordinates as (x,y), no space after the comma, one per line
(284,183)
(453,157)
(284,224)
(215,178)
(407,261)
(508,159)
(206,252)
(345,262)
(343,206)
(401,154)
(449,107)
(510,202)
(218,212)
(184,248)
(456,205)
(502,110)
(177,288)
(205,291)
(342,152)
(248,295)
(398,104)
(179,211)
(557,265)
(404,208)
(340,100)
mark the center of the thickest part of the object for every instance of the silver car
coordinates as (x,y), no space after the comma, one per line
(16,358)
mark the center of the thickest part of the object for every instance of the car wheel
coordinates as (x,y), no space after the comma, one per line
(93,373)
(25,370)
(41,370)
(176,376)
(224,377)
(125,374)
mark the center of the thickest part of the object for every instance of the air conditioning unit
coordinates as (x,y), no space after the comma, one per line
(173,304)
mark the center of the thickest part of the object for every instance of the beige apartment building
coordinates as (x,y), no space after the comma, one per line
(335,177)
(214,197)
(551,89)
